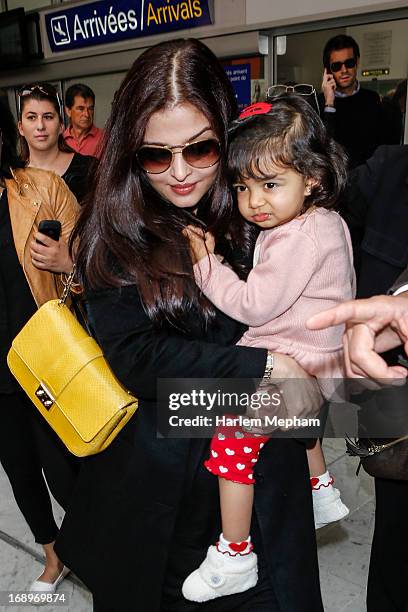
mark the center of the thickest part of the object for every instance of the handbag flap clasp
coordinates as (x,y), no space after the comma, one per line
(45,396)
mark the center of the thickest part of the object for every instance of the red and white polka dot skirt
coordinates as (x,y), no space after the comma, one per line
(234,453)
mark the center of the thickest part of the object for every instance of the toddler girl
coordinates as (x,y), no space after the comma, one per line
(287,174)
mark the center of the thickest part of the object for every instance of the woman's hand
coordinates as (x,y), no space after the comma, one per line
(51,255)
(298,394)
(201,242)
(298,390)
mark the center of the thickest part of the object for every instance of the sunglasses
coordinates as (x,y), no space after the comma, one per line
(47,90)
(155,159)
(301,89)
(351,62)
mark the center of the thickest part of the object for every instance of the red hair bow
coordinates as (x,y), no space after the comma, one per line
(259,108)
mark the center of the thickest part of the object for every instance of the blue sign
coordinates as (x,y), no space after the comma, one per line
(240,77)
(104,22)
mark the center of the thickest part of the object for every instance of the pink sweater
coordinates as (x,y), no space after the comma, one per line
(300,268)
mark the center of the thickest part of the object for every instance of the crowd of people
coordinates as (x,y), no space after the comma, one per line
(207,244)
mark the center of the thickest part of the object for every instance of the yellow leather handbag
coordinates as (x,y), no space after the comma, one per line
(64,373)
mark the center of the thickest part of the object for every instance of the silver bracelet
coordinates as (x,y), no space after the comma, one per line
(266,378)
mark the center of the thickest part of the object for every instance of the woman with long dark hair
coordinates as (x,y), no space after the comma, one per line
(29,276)
(42,144)
(145,511)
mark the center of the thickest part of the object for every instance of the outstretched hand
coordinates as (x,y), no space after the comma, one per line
(373,326)
(201,242)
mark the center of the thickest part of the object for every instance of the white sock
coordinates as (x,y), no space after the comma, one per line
(322,485)
(234,550)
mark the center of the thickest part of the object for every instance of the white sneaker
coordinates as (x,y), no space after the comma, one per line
(39,586)
(328,508)
(219,575)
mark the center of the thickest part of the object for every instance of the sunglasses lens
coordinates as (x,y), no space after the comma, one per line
(46,89)
(304,90)
(154,159)
(336,66)
(202,154)
(348,63)
(276,90)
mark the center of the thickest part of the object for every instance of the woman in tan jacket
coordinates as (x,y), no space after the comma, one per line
(29,276)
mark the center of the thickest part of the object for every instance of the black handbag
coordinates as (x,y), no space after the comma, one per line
(381,458)
(382,443)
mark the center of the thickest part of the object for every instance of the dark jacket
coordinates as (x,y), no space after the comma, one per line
(401,281)
(376,211)
(357,124)
(145,510)
(77,175)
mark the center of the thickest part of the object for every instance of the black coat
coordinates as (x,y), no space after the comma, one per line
(145,510)
(77,175)
(400,282)
(358,124)
(376,212)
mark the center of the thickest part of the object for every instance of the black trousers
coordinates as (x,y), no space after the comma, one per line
(27,448)
(259,599)
(388,574)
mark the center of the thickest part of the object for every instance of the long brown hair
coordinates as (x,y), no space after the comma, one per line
(8,143)
(39,93)
(127,232)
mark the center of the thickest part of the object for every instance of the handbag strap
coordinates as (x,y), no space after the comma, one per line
(378,448)
(355,449)
(68,281)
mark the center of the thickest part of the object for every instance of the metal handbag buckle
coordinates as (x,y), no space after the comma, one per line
(45,396)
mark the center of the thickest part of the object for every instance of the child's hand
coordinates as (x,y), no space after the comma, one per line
(201,242)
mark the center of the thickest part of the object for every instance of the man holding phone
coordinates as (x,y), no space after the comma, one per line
(351,113)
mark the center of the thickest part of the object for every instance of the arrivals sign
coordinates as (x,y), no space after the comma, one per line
(104,22)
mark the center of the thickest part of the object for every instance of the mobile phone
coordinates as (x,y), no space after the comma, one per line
(51,228)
